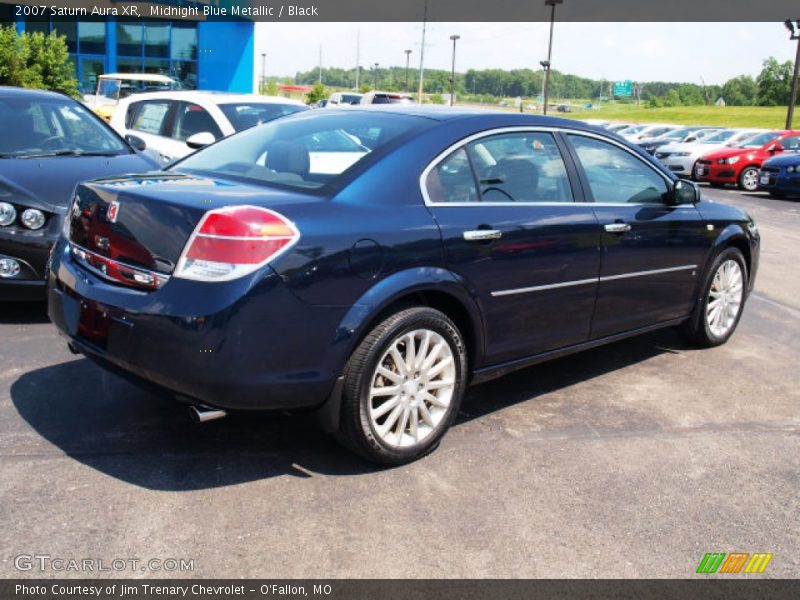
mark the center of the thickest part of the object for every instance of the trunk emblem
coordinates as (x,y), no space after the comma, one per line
(112,211)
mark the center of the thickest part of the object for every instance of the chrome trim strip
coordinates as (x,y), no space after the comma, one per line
(553,286)
(644,273)
(540,288)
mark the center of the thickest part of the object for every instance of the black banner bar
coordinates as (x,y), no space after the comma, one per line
(712,588)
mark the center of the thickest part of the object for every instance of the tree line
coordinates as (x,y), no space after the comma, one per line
(771,87)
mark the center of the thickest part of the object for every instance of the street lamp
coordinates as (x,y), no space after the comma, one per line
(263,71)
(455,38)
(408,57)
(794,34)
(552,5)
(376,76)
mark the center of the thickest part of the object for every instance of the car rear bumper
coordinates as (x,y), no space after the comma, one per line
(246,344)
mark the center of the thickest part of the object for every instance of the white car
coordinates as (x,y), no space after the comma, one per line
(681,158)
(638,132)
(173,124)
(339,99)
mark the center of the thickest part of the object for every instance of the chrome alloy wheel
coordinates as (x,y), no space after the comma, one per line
(750,180)
(411,388)
(725,298)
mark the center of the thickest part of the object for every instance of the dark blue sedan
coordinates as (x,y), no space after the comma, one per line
(371,264)
(48,143)
(780,175)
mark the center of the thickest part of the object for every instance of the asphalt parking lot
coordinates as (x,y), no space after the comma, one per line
(631,460)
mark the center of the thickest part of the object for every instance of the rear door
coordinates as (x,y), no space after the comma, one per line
(515,233)
(653,252)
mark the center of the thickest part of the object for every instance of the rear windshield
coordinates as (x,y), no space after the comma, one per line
(246,115)
(305,152)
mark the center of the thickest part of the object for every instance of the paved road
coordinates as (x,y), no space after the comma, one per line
(631,460)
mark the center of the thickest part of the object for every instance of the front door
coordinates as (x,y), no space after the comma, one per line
(515,235)
(652,252)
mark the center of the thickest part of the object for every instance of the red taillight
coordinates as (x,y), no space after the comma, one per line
(234,241)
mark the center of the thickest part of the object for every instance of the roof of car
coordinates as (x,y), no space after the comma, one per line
(215,97)
(138,77)
(9,91)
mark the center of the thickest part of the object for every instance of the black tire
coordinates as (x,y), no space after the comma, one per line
(697,329)
(743,175)
(356,430)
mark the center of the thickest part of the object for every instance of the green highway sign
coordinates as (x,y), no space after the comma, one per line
(623,88)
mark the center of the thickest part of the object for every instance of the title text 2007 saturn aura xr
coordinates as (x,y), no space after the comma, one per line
(370,263)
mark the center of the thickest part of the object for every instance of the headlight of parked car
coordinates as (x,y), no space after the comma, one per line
(32,218)
(728,161)
(7,214)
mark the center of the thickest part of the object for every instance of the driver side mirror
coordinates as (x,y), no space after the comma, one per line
(683,192)
(691,138)
(136,142)
(200,140)
(776,148)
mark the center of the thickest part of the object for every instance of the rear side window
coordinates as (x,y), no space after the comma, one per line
(150,116)
(513,167)
(192,119)
(616,176)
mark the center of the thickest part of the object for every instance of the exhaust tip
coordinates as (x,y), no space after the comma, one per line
(202,414)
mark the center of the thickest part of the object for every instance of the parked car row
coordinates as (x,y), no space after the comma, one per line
(748,158)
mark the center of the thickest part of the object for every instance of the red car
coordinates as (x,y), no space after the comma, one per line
(740,164)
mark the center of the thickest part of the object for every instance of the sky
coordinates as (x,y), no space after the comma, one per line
(683,52)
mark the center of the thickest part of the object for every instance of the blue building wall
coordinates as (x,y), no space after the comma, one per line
(225,56)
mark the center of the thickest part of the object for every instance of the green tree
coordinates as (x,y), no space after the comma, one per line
(774,83)
(740,91)
(317,93)
(35,60)
(672,98)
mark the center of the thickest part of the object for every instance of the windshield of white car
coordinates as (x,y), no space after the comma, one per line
(307,151)
(53,126)
(675,134)
(719,137)
(244,115)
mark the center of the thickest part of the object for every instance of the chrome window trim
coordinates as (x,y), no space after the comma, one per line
(552,286)
(530,129)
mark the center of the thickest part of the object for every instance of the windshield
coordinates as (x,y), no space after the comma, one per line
(244,115)
(719,137)
(758,140)
(675,134)
(633,129)
(351,98)
(308,151)
(52,127)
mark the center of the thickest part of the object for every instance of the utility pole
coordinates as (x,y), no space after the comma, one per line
(455,38)
(794,35)
(552,5)
(263,72)
(376,77)
(422,54)
(358,51)
(408,57)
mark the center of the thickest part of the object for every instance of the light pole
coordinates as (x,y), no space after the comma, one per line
(263,71)
(552,5)
(408,57)
(376,76)
(455,38)
(545,70)
(794,35)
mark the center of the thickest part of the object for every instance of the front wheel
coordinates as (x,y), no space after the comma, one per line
(748,179)
(720,308)
(403,386)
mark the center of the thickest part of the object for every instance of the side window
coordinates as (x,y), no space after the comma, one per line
(520,167)
(615,175)
(130,115)
(791,143)
(192,119)
(150,116)
(452,180)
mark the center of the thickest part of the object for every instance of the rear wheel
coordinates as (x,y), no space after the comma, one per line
(748,179)
(720,308)
(403,387)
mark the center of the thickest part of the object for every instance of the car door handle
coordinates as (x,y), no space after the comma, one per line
(480,235)
(617,227)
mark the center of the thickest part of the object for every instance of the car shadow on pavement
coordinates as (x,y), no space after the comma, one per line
(14,313)
(148,440)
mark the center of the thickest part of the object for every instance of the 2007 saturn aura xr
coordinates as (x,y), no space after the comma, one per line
(371,263)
